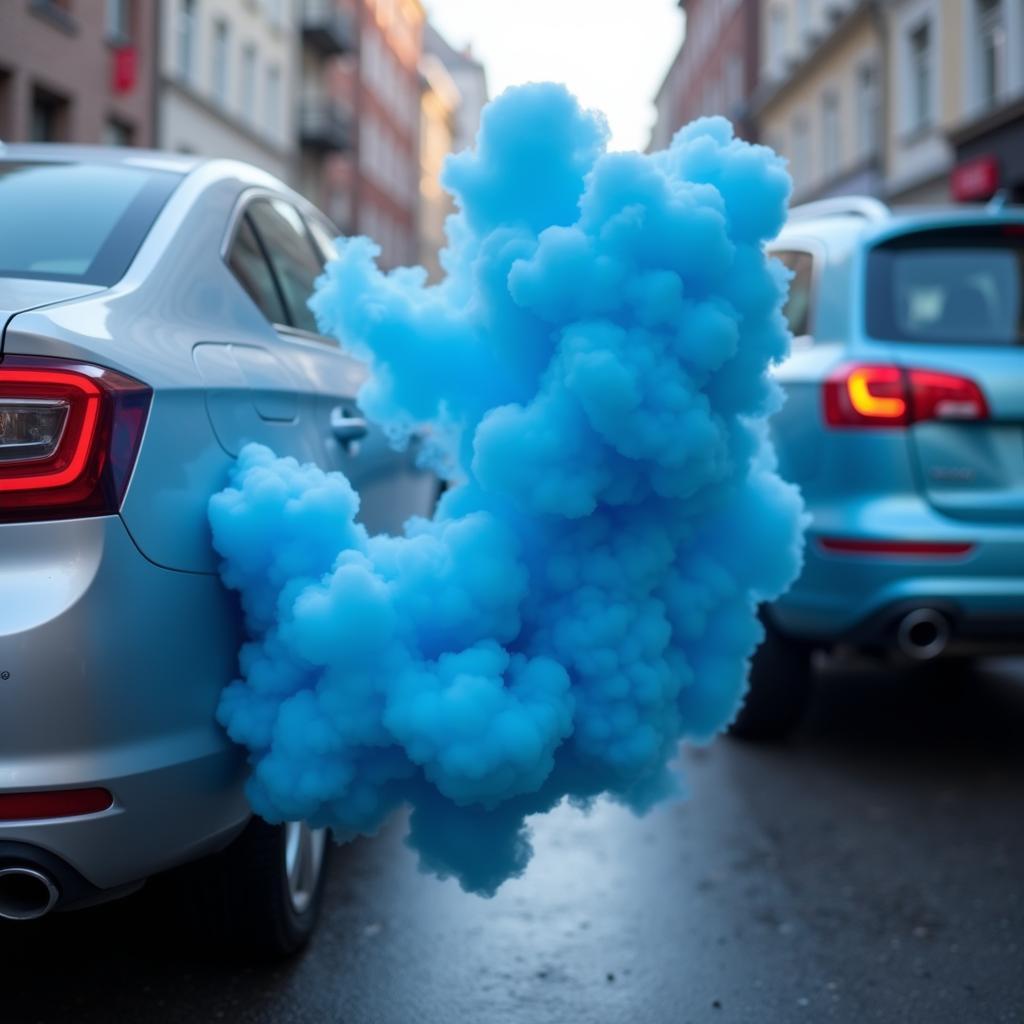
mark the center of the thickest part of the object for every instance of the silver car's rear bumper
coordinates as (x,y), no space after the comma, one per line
(110,671)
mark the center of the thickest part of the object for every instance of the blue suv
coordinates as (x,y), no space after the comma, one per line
(904,427)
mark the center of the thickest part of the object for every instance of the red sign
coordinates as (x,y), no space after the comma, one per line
(975,180)
(125,69)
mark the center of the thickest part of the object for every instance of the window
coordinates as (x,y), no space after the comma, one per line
(249,83)
(867,111)
(992,42)
(118,21)
(5,104)
(275,12)
(250,266)
(803,18)
(920,69)
(830,143)
(221,51)
(324,237)
(958,286)
(187,39)
(76,222)
(292,256)
(733,82)
(777,39)
(50,116)
(273,127)
(117,133)
(798,304)
(800,163)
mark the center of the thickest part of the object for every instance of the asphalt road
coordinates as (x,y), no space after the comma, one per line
(872,870)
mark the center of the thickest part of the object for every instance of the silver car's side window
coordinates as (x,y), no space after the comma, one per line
(294,260)
(249,264)
(799,304)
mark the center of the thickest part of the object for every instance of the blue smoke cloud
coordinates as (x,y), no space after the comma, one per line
(592,375)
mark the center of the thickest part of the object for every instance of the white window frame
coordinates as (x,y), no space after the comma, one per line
(187,38)
(913,122)
(248,72)
(867,108)
(831,134)
(220,62)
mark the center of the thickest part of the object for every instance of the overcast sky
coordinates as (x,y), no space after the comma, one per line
(612,53)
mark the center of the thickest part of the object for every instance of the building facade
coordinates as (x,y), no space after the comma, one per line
(454,94)
(439,111)
(987,132)
(916,101)
(387,183)
(820,97)
(78,71)
(326,112)
(715,70)
(956,100)
(470,78)
(363,164)
(227,80)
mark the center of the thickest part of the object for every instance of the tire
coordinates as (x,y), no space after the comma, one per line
(780,689)
(260,898)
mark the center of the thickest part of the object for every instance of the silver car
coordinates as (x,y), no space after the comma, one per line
(154,320)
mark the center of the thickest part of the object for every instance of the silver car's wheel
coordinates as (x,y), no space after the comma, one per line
(304,861)
(262,895)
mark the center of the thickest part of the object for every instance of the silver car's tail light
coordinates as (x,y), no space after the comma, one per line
(30,428)
(69,436)
(56,803)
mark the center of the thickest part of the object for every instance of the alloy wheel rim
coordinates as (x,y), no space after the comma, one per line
(304,859)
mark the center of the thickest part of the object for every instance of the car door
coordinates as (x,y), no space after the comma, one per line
(390,485)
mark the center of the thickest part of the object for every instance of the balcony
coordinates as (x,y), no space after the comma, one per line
(325,126)
(326,29)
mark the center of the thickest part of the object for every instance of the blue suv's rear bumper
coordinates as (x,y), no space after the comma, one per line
(858,596)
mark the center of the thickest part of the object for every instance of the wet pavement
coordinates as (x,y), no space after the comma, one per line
(871,870)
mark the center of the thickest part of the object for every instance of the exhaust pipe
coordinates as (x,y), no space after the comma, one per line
(26,893)
(923,634)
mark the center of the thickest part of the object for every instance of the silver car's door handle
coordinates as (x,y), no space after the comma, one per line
(347,428)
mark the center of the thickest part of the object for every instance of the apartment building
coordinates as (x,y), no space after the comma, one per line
(955,104)
(454,93)
(361,120)
(327,106)
(78,71)
(227,80)
(387,182)
(469,77)
(820,97)
(439,109)
(987,135)
(715,70)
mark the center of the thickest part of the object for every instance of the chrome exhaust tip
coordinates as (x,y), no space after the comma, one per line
(26,893)
(923,634)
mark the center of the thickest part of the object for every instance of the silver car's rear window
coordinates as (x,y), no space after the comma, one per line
(76,221)
(960,285)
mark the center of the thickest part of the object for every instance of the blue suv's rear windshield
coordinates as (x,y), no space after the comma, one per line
(952,286)
(76,221)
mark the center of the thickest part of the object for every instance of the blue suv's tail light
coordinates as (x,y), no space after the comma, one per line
(69,436)
(869,395)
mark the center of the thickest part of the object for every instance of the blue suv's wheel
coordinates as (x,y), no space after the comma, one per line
(780,688)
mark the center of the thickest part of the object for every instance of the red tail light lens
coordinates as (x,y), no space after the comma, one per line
(944,396)
(892,396)
(58,803)
(895,548)
(69,435)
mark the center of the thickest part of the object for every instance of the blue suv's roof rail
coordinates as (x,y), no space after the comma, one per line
(866,207)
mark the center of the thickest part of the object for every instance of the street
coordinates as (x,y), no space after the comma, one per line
(871,870)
